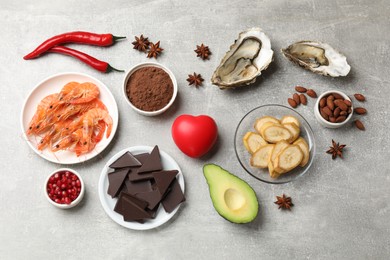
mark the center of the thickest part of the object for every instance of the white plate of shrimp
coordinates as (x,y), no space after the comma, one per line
(69,118)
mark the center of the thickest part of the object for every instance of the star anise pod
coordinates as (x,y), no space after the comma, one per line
(336,150)
(154,50)
(141,43)
(195,79)
(203,51)
(284,202)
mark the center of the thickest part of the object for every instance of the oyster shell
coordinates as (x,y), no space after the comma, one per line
(317,57)
(248,56)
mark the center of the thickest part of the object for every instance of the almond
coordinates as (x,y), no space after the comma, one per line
(292,102)
(336,112)
(332,119)
(340,119)
(300,89)
(360,97)
(360,110)
(323,102)
(343,113)
(327,111)
(311,93)
(341,104)
(323,114)
(329,103)
(303,99)
(331,97)
(296,98)
(337,96)
(347,102)
(359,125)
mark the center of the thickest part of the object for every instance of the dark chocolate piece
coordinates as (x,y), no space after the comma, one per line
(115,181)
(152,163)
(118,206)
(163,179)
(135,176)
(152,197)
(132,208)
(153,212)
(132,211)
(138,201)
(126,160)
(137,186)
(174,197)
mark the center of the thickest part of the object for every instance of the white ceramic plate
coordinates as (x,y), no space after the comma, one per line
(108,203)
(54,84)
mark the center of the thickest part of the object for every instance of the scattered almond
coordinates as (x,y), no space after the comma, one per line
(296,98)
(360,110)
(311,93)
(360,97)
(292,102)
(300,89)
(303,99)
(359,125)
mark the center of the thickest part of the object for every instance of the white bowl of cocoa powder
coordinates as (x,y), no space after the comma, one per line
(150,88)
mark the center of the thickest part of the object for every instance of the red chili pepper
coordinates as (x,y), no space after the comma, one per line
(74,37)
(89,60)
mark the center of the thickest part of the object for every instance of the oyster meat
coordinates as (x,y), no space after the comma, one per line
(250,54)
(317,57)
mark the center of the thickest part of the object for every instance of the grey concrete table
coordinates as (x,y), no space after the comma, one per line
(341,208)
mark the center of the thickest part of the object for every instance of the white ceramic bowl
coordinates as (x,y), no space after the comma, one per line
(324,122)
(150,64)
(73,203)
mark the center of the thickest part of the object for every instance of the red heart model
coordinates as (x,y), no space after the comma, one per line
(194,135)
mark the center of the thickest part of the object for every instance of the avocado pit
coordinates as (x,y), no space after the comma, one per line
(234,199)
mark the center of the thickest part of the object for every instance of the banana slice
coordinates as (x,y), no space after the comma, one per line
(290,119)
(253,141)
(262,156)
(261,121)
(274,174)
(264,126)
(276,133)
(289,158)
(301,142)
(294,130)
(279,146)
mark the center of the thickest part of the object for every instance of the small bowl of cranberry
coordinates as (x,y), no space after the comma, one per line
(64,188)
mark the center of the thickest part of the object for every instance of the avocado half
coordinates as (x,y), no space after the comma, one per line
(232,197)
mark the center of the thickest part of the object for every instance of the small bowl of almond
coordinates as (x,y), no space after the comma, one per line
(333,109)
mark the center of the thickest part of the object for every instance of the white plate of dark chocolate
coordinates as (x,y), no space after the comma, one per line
(141,187)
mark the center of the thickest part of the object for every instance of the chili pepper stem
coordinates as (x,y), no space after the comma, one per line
(116,38)
(110,68)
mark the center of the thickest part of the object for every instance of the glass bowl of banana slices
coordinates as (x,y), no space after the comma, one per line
(274,144)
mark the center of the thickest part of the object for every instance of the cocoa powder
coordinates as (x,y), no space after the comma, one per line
(149,88)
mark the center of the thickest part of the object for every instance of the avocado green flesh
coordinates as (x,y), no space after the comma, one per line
(232,197)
